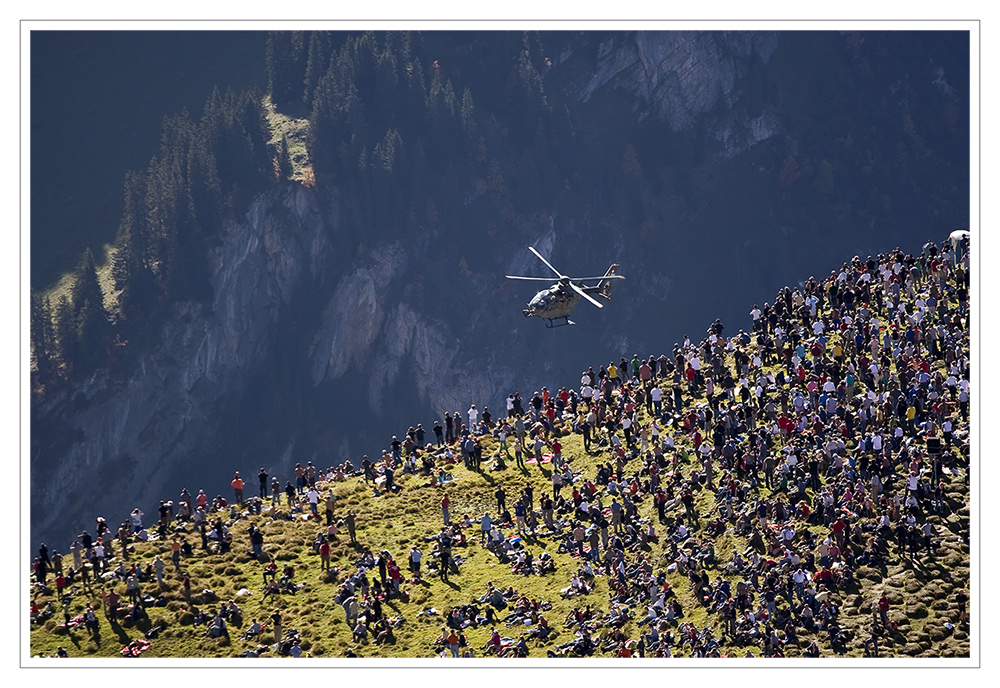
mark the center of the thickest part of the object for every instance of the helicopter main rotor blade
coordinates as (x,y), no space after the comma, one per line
(532,249)
(585,295)
(602,277)
(532,279)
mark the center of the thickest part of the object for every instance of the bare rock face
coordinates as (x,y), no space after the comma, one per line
(355,315)
(171,423)
(137,436)
(678,76)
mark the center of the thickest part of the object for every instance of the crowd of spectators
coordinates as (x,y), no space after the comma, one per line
(822,438)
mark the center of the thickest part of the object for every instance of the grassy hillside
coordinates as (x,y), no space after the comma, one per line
(921,590)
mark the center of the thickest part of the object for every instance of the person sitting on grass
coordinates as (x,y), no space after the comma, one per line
(360,632)
(382,631)
(576,586)
(271,588)
(217,627)
(544,564)
(252,631)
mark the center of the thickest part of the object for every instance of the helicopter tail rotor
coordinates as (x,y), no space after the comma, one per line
(607,284)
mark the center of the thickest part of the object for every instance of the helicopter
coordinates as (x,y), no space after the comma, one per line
(559,300)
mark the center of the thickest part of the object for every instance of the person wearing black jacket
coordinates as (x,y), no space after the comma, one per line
(262,479)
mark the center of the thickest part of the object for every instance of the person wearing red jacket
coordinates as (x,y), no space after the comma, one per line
(883,609)
(394,575)
(324,556)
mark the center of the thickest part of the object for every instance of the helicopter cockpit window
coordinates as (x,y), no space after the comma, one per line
(544,300)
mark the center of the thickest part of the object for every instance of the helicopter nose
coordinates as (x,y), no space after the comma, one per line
(526,312)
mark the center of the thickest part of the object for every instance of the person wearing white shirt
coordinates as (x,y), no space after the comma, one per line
(136,518)
(799,579)
(656,395)
(813,303)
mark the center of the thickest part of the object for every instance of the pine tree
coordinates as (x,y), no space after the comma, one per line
(85,282)
(449,99)
(468,114)
(413,105)
(66,337)
(42,340)
(527,98)
(285,61)
(435,92)
(132,266)
(284,160)
(257,131)
(93,328)
(386,89)
(93,336)
(316,64)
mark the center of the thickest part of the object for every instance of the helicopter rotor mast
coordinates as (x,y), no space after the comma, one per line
(564,279)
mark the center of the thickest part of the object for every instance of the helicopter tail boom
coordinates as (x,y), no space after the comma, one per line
(605,286)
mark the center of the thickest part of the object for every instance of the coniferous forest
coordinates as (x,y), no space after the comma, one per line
(388,131)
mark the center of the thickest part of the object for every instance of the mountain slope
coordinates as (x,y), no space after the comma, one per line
(921,587)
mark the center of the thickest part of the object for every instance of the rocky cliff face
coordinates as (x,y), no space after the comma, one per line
(167,426)
(134,438)
(677,76)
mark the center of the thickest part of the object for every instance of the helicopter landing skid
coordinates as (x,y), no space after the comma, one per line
(549,323)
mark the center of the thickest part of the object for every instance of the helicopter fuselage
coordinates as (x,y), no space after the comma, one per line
(554,302)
